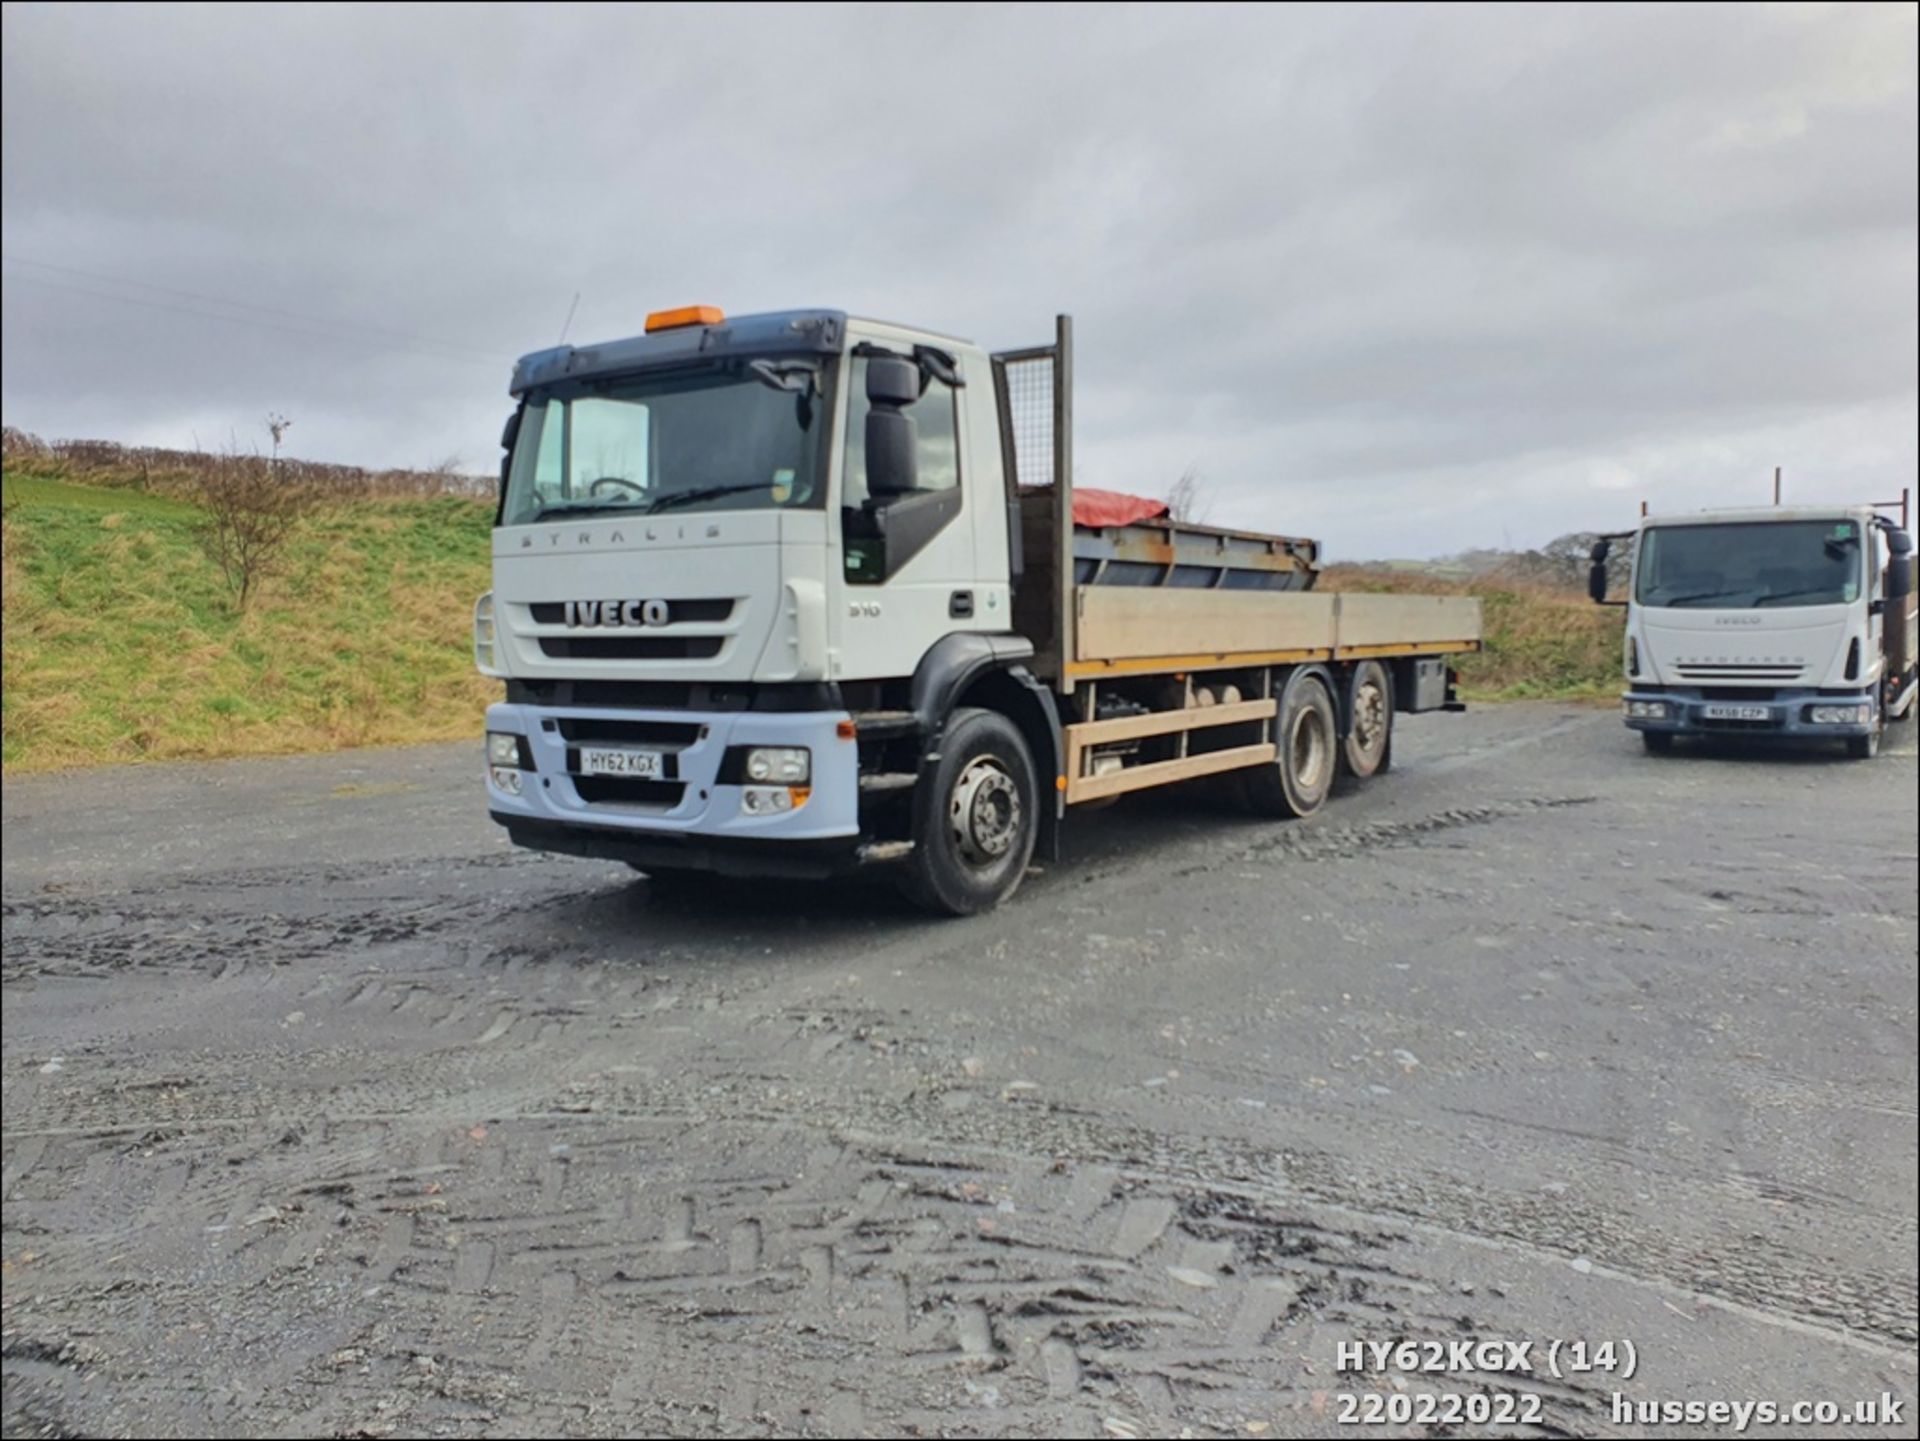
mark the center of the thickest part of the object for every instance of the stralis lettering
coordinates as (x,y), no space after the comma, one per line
(617,612)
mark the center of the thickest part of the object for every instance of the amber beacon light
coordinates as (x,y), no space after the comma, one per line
(686,315)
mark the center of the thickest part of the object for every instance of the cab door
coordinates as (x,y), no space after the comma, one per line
(907,561)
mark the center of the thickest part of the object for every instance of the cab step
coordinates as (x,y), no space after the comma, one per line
(879,724)
(880,782)
(879,852)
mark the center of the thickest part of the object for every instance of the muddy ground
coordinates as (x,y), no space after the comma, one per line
(326,1114)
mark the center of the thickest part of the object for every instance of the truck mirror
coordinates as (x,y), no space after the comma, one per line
(1900,574)
(892,381)
(509,433)
(1597,576)
(1602,548)
(893,440)
(893,453)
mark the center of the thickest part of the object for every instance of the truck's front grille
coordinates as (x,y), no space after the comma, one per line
(631,647)
(1738,692)
(675,734)
(626,791)
(554,612)
(1708,672)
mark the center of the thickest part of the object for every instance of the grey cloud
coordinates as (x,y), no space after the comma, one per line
(1410,279)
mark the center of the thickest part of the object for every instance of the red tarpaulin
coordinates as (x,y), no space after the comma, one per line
(1110,507)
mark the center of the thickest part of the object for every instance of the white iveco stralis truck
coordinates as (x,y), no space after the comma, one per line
(797,593)
(1796,622)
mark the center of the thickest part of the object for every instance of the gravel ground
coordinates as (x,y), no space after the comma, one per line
(326,1114)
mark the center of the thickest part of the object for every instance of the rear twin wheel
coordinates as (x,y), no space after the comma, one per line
(1306,737)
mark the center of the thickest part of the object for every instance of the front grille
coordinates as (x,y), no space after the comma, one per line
(1738,692)
(727,696)
(554,612)
(1776,673)
(675,734)
(624,647)
(628,791)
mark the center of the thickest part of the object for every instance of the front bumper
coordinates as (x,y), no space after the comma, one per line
(1787,714)
(690,809)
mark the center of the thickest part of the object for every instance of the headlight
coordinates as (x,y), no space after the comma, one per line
(503,749)
(1647,709)
(784,765)
(1840,715)
(483,635)
(507,778)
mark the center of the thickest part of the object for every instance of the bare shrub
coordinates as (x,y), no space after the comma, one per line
(251,511)
(1186,497)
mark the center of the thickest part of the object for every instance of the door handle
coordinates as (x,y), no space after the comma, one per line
(960,604)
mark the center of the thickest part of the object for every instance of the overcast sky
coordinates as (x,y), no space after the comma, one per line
(1408,280)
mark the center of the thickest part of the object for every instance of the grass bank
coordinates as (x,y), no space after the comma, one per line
(122,643)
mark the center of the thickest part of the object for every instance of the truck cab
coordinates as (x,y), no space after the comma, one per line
(1791,622)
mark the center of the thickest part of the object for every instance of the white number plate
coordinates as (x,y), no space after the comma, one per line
(1739,712)
(644,764)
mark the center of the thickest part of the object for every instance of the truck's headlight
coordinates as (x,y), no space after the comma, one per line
(1840,715)
(503,749)
(783,765)
(1647,709)
(483,635)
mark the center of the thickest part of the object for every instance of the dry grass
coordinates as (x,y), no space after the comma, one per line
(121,643)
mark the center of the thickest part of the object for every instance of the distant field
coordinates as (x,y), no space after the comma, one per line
(121,643)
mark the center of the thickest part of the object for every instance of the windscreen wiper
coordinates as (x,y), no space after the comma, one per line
(1790,594)
(703,492)
(1702,595)
(575,508)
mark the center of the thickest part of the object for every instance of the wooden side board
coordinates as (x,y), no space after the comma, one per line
(1409,620)
(1130,629)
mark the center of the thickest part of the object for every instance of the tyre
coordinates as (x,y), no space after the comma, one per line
(1367,749)
(1306,737)
(1658,743)
(975,817)
(1866,747)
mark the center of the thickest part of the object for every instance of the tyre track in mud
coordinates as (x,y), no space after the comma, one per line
(550,1152)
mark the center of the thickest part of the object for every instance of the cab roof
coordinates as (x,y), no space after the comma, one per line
(776,332)
(1754,515)
(779,332)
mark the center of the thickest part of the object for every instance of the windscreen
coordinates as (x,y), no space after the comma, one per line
(1740,567)
(743,436)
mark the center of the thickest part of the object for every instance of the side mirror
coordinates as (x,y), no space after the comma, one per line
(508,435)
(893,439)
(1597,582)
(1899,582)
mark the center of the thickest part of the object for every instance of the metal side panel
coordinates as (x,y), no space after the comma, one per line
(1119,623)
(1407,620)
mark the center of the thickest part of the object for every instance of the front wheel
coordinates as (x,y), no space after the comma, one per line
(1866,747)
(1296,781)
(976,814)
